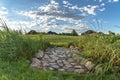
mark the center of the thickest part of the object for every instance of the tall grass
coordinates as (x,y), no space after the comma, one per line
(103,50)
(14,45)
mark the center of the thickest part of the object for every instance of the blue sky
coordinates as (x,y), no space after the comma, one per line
(61,15)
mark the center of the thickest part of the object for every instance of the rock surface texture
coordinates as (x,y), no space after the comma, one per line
(60,59)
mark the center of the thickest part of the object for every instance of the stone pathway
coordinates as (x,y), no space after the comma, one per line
(60,59)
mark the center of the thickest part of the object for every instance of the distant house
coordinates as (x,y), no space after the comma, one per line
(53,33)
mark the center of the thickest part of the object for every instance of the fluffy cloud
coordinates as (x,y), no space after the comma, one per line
(67,3)
(115,0)
(100,0)
(3,11)
(107,0)
(90,9)
(102,9)
(103,4)
(53,10)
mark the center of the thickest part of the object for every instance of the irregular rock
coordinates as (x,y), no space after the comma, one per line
(89,65)
(72,47)
(40,54)
(75,51)
(73,64)
(61,56)
(36,63)
(60,63)
(70,69)
(45,63)
(51,60)
(67,66)
(46,56)
(65,62)
(79,71)
(61,69)
(50,68)
(54,65)
(78,67)
(68,55)
(54,57)
(70,60)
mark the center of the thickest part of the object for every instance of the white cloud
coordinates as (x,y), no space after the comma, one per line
(65,2)
(100,0)
(115,0)
(3,12)
(90,9)
(18,25)
(53,6)
(27,13)
(109,0)
(3,8)
(103,9)
(103,4)
(74,7)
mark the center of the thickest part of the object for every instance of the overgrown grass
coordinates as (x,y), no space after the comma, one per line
(14,46)
(103,50)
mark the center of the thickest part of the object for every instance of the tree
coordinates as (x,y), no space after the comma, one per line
(88,32)
(111,33)
(74,33)
(32,32)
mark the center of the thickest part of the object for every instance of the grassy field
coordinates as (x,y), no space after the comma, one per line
(57,40)
(16,50)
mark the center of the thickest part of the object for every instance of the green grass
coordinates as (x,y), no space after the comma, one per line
(20,70)
(58,40)
(16,51)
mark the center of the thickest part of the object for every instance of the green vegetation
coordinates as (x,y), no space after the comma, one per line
(14,46)
(33,32)
(17,49)
(74,33)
